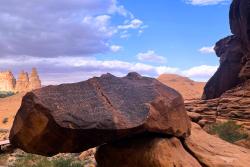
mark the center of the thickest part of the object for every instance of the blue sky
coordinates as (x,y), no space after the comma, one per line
(70,41)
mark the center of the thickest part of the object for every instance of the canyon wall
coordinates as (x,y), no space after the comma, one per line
(24,83)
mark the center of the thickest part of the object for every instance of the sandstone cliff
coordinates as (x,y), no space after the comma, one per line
(234,53)
(227,94)
(24,83)
(7,81)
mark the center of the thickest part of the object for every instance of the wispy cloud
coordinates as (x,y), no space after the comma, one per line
(207,50)
(201,73)
(206,2)
(115,48)
(151,56)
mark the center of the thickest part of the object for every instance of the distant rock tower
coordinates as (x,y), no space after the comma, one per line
(7,81)
(34,80)
(22,84)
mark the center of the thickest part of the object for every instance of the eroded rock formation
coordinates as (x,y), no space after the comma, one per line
(227,76)
(227,94)
(188,88)
(234,104)
(7,81)
(24,83)
(58,118)
(234,53)
(34,80)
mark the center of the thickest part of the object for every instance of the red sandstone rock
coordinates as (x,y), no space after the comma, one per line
(22,84)
(215,152)
(34,80)
(227,76)
(145,152)
(75,117)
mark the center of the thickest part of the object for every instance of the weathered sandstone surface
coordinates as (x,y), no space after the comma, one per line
(214,152)
(234,104)
(58,118)
(148,151)
(199,149)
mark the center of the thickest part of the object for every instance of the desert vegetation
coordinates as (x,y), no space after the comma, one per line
(228,131)
(32,160)
(4,94)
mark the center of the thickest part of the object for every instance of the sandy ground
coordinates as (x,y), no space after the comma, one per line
(8,108)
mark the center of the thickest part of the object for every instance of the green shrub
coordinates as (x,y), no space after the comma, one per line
(5,120)
(31,160)
(66,163)
(4,94)
(228,131)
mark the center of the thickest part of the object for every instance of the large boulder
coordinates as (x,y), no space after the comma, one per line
(147,152)
(212,151)
(79,116)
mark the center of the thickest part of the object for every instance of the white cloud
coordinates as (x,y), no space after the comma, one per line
(151,56)
(60,28)
(115,48)
(207,50)
(201,73)
(67,69)
(133,24)
(116,8)
(206,2)
(54,70)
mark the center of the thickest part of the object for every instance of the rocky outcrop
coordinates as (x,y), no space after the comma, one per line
(58,118)
(227,76)
(148,152)
(7,81)
(24,83)
(199,149)
(234,104)
(234,53)
(34,80)
(214,152)
(188,88)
